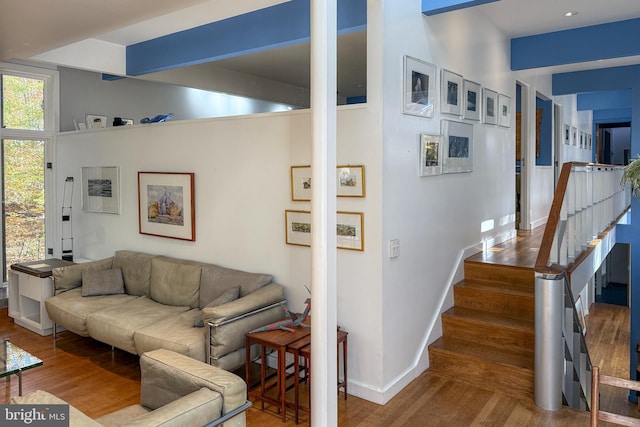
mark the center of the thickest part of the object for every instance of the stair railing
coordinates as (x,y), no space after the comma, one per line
(589,200)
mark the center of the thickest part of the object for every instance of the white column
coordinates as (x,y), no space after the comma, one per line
(323,213)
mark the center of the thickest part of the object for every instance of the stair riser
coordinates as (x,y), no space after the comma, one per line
(517,382)
(495,273)
(489,334)
(494,302)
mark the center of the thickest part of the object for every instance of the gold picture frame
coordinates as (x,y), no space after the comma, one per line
(349,229)
(350,181)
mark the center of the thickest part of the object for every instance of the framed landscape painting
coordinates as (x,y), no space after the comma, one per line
(297,227)
(350,230)
(166,205)
(101,189)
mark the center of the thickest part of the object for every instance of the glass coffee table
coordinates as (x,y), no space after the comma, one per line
(14,360)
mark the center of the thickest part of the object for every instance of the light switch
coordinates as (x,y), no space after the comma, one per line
(394,248)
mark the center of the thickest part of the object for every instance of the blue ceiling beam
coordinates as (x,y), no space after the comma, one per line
(604,100)
(276,26)
(604,41)
(601,79)
(614,115)
(434,7)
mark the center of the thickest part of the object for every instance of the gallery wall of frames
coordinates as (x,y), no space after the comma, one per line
(466,101)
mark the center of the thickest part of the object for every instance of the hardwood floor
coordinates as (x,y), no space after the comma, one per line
(97,381)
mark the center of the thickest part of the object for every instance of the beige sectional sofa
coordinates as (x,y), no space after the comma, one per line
(140,302)
(175,390)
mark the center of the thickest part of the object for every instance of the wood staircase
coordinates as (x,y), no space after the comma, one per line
(488,335)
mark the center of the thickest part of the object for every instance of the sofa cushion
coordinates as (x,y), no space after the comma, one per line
(175,333)
(175,281)
(229,295)
(39,397)
(102,282)
(136,271)
(69,277)
(215,280)
(116,325)
(70,309)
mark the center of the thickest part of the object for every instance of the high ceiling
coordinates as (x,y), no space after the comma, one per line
(32,27)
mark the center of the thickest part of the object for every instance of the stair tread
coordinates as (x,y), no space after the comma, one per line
(512,289)
(501,356)
(480,316)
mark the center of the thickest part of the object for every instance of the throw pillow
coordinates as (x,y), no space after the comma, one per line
(229,295)
(102,282)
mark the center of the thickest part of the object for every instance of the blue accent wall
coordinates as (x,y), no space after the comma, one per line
(604,41)
(276,26)
(546,145)
(434,7)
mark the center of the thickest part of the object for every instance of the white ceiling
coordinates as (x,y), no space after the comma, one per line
(30,27)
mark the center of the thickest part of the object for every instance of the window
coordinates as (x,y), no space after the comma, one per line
(26,136)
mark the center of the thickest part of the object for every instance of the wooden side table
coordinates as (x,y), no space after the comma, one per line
(278,340)
(302,348)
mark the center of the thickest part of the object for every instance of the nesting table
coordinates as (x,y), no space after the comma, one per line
(298,343)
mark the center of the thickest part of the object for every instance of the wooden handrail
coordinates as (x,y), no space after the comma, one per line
(542,264)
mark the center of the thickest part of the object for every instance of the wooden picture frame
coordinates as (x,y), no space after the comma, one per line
(166,204)
(472,100)
(419,97)
(350,230)
(430,155)
(489,106)
(297,227)
(350,181)
(457,152)
(101,189)
(451,93)
(301,183)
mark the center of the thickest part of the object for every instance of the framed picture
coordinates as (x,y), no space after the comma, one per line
(574,136)
(504,110)
(430,155)
(457,153)
(581,139)
(580,312)
(567,134)
(350,181)
(301,183)
(589,141)
(419,87)
(350,230)
(297,227)
(101,189)
(95,122)
(166,205)
(472,100)
(451,93)
(489,106)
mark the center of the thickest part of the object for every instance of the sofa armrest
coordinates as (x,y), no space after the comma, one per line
(195,409)
(69,277)
(167,376)
(262,297)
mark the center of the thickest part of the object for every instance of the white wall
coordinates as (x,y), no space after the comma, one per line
(242,189)
(84,92)
(436,218)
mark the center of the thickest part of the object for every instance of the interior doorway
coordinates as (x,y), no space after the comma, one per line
(613,143)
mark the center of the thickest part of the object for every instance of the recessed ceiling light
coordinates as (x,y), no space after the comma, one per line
(569,14)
